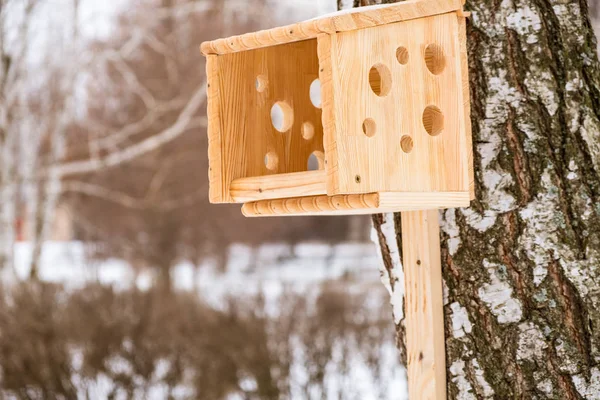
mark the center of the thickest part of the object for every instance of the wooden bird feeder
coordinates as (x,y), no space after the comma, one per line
(391,133)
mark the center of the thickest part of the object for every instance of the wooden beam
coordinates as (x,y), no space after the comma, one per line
(424,305)
(353,204)
(313,205)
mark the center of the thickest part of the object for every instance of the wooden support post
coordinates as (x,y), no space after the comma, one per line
(424,305)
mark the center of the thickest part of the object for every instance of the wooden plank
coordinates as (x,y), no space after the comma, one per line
(327,77)
(216,193)
(364,17)
(381,141)
(424,305)
(250,83)
(464,67)
(270,37)
(280,186)
(353,204)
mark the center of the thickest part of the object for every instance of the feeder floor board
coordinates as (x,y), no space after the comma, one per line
(294,184)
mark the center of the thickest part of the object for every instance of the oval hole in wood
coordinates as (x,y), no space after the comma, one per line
(315,93)
(380,79)
(271,161)
(433,120)
(402,55)
(435,59)
(308,130)
(406,143)
(261,83)
(369,127)
(316,161)
(282,116)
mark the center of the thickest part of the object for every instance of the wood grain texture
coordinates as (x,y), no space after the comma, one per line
(326,76)
(371,203)
(464,68)
(378,164)
(404,201)
(216,192)
(246,131)
(295,184)
(357,19)
(424,320)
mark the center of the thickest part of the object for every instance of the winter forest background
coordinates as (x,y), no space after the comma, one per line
(118,279)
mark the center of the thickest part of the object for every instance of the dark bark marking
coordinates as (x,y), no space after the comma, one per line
(520,163)
(385,250)
(575,315)
(506,246)
(566,388)
(515,58)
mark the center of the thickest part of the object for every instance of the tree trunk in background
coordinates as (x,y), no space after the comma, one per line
(521,267)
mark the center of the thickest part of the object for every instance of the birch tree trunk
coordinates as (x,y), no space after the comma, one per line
(521,267)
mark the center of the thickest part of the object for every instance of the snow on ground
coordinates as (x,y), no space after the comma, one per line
(277,265)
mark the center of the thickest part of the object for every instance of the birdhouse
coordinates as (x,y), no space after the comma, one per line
(357,112)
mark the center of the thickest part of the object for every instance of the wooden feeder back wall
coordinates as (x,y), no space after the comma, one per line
(392,132)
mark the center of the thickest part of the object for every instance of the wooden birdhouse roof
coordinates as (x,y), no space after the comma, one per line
(353,19)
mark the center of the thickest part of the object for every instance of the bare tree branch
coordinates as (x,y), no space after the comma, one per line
(125,200)
(89,189)
(113,140)
(184,122)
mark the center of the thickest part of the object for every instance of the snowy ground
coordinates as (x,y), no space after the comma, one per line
(301,265)
(271,270)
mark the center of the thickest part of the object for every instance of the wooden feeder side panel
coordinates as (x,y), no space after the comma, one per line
(250,83)
(464,67)
(215,168)
(375,161)
(328,99)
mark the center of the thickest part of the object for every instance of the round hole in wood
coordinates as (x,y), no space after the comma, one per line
(315,161)
(402,55)
(308,130)
(315,93)
(271,161)
(433,120)
(380,79)
(282,116)
(369,127)
(435,59)
(261,83)
(406,143)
